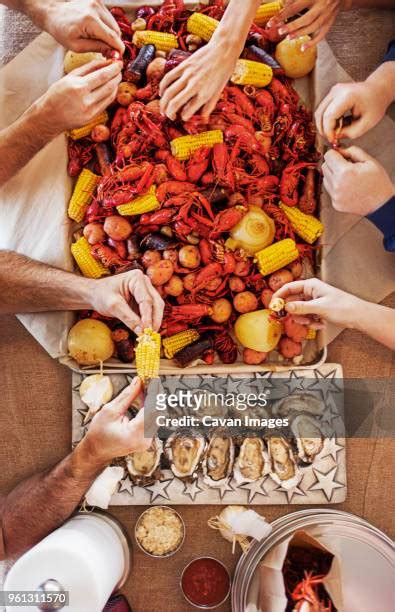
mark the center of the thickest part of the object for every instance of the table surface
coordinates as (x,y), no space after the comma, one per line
(35,419)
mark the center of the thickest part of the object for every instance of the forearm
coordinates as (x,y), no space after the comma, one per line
(30,286)
(378,4)
(20,142)
(378,322)
(232,32)
(383,81)
(43,502)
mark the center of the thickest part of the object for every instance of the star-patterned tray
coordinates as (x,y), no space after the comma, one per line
(322,482)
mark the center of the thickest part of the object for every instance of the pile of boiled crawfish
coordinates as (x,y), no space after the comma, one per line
(268,155)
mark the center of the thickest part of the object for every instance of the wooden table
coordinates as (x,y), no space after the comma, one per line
(35,416)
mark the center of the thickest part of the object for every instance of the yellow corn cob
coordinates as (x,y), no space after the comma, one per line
(161,40)
(248,72)
(82,195)
(85,130)
(148,354)
(88,265)
(142,204)
(311,334)
(202,25)
(307,227)
(267,11)
(276,256)
(173,344)
(183,147)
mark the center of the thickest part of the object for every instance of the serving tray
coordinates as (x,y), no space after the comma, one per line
(322,482)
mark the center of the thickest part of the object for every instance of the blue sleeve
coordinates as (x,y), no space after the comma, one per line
(384,219)
(390,55)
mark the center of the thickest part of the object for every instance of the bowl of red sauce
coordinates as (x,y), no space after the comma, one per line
(205,583)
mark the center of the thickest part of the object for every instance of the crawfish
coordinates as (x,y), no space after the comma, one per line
(226,219)
(211,271)
(283,226)
(107,256)
(289,182)
(172,188)
(198,164)
(188,312)
(225,346)
(159,217)
(308,202)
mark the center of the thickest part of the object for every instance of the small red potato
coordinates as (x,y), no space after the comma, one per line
(253,357)
(242,268)
(126,93)
(266,297)
(245,302)
(171,255)
(236,284)
(289,348)
(174,287)
(296,269)
(189,281)
(295,331)
(156,69)
(94,233)
(118,228)
(222,310)
(150,257)
(189,256)
(279,278)
(161,272)
(100,133)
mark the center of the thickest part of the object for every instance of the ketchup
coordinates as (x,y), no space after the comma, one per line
(205,582)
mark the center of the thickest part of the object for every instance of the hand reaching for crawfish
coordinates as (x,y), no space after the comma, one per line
(78,97)
(112,296)
(197,83)
(317,20)
(83,26)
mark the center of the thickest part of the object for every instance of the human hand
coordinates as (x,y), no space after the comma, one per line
(318,19)
(111,433)
(315,298)
(83,26)
(355,181)
(197,83)
(80,96)
(363,100)
(111,297)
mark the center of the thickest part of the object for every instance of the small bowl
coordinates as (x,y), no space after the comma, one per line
(205,606)
(169,554)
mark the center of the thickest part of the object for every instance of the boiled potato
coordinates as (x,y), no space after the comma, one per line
(90,342)
(258,331)
(73,60)
(295,62)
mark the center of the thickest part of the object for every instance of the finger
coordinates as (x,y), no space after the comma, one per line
(338,107)
(191,108)
(170,77)
(290,9)
(305,308)
(319,113)
(103,75)
(123,312)
(138,287)
(90,67)
(335,161)
(109,20)
(158,306)
(101,31)
(209,107)
(122,402)
(302,320)
(356,129)
(85,45)
(355,154)
(108,90)
(322,32)
(300,23)
(176,97)
(328,186)
(310,28)
(305,287)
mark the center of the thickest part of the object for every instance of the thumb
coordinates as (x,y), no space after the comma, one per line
(120,404)
(123,311)
(86,45)
(357,128)
(304,308)
(355,154)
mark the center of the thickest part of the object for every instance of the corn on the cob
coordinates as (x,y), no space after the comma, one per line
(183,147)
(307,227)
(202,25)
(161,40)
(142,204)
(248,72)
(148,354)
(276,256)
(82,194)
(88,265)
(173,344)
(267,11)
(311,334)
(85,130)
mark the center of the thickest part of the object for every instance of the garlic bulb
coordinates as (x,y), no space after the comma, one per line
(237,524)
(95,391)
(104,487)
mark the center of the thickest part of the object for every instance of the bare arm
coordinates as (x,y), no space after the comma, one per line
(41,503)
(30,286)
(197,83)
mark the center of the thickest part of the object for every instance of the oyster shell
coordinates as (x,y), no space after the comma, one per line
(283,468)
(251,461)
(185,452)
(143,467)
(219,458)
(309,437)
(299,402)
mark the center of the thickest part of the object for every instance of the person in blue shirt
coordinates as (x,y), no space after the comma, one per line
(355,181)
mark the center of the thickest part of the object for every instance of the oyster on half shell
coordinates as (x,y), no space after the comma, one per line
(251,461)
(185,452)
(283,468)
(219,458)
(144,466)
(309,437)
(299,402)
